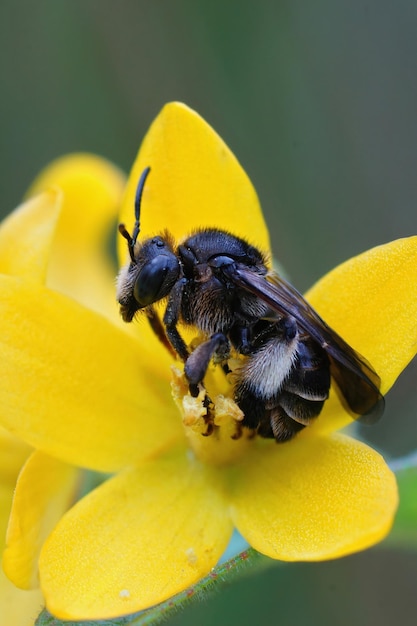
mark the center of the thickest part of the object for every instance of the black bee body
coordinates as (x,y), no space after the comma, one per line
(285,383)
(211,302)
(220,284)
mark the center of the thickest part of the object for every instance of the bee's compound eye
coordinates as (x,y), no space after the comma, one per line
(156,279)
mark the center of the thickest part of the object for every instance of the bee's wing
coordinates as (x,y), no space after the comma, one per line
(357,382)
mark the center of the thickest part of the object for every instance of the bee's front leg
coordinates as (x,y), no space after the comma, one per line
(197,363)
(171,317)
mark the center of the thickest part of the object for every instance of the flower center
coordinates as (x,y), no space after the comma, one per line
(212,420)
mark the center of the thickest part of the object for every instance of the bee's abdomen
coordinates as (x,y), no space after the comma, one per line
(289,391)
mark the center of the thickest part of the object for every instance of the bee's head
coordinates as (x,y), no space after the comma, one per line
(153,268)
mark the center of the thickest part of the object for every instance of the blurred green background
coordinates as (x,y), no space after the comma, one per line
(318,100)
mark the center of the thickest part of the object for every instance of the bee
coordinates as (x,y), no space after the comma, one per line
(220,285)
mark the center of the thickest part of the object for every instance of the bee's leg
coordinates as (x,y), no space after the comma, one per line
(241,338)
(197,363)
(253,406)
(171,318)
(159,330)
(196,367)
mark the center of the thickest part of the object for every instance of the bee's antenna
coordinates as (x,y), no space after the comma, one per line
(131,239)
(138,198)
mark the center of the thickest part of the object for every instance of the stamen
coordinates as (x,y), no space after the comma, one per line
(215,433)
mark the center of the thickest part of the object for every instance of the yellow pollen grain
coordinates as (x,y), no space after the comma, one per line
(214,433)
(194,411)
(227,410)
(179,385)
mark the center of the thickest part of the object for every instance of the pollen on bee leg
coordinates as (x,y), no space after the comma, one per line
(222,420)
(193,410)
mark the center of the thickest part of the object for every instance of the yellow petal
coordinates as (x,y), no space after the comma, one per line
(80,261)
(44,491)
(6,496)
(135,541)
(314,499)
(18,608)
(371,301)
(13,454)
(26,236)
(195,182)
(76,386)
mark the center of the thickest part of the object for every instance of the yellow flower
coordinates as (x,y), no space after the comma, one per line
(84,388)
(17,607)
